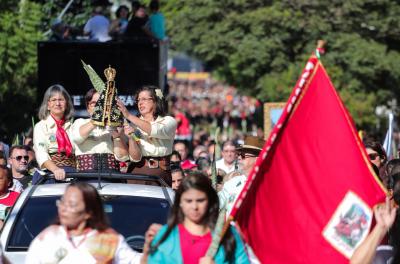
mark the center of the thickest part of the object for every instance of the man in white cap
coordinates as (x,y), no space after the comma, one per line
(247,153)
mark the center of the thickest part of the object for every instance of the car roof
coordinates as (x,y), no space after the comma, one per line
(107,189)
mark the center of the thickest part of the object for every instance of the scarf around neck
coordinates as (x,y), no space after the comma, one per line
(63,142)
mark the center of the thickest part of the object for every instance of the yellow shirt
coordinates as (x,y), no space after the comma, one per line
(99,140)
(44,139)
(161,139)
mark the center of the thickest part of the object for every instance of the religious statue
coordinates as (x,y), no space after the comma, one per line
(106,113)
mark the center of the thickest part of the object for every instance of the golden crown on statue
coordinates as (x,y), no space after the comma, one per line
(110,74)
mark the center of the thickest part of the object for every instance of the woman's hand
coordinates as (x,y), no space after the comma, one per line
(149,236)
(128,130)
(206,260)
(117,133)
(122,108)
(385,214)
(59,174)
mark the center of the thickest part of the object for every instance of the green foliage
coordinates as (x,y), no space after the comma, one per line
(261,46)
(19,33)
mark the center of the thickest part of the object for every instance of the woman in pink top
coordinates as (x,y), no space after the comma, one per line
(188,234)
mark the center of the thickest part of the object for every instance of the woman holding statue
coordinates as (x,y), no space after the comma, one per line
(152,134)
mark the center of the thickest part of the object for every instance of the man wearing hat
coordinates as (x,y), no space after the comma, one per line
(247,153)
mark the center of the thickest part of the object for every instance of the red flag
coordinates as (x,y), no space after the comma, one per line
(309,196)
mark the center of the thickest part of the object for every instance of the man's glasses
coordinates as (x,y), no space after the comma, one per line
(373,156)
(19,158)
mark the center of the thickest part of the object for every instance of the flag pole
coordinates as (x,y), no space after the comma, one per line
(320,48)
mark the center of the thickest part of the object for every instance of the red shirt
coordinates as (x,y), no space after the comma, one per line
(183,128)
(9,199)
(193,247)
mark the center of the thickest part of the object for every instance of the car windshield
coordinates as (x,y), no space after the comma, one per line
(128,215)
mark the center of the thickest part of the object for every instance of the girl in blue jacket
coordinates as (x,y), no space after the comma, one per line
(189,231)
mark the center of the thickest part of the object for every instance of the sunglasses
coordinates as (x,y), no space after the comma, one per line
(19,158)
(373,156)
(246,155)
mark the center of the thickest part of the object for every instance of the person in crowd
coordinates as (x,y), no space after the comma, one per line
(7,197)
(5,148)
(15,185)
(200,151)
(137,25)
(3,160)
(189,231)
(176,157)
(97,26)
(153,133)
(96,148)
(183,131)
(229,157)
(51,142)
(119,24)
(18,162)
(59,31)
(32,163)
(177,176)
(377,156)
(248,153)
(81,234)
(157,21)
(392,167)
(183,150)
(204,165)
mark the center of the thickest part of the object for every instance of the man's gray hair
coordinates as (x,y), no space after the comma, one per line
(51,91)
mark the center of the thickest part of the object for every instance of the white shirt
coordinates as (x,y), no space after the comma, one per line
(44,139)
(230,192)
(53,245)
(161,139)
(220,164)
(98,26)
(99,140)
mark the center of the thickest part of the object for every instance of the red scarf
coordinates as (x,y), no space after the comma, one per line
(63,142)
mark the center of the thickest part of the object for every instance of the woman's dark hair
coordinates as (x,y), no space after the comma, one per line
(160,102)
(89,96)
(203,164)
(154,5)
(120,8)
(93,206)
(394,234)
(198,181)
(376,146)
(391,168)
(176,153)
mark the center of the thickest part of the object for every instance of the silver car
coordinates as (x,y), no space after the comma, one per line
(130,208)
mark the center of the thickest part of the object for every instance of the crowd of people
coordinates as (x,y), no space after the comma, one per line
(200,106)
(134,22)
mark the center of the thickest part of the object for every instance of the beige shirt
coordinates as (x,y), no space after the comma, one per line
(161,139)
(44,139)
(99,140)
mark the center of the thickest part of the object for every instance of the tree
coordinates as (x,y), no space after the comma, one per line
(19,33)
(260,46)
